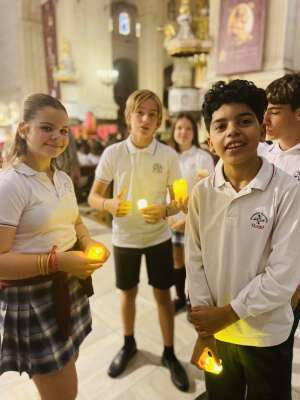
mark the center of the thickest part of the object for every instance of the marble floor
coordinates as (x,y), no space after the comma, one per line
(145,378)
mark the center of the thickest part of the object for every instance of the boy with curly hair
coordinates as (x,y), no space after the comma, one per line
(242,239)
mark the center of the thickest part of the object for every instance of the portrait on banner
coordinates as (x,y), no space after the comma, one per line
(241,36)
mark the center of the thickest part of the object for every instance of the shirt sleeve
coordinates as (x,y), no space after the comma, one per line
(276,285)
(104,170)
(15,194)
(198,289)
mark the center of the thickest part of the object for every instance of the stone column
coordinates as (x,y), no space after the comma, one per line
(85,25)
(22,62)
(152,14)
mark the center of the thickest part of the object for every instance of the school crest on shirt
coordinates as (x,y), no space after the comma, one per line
(157,168)
(296,175)
(258,220)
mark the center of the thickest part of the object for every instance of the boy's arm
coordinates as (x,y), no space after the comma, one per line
(276,285)
(198,289)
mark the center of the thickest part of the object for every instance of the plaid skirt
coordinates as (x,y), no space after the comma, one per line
(30,340)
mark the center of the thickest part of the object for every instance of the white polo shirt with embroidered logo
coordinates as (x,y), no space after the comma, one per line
(242,248)
(43,213)
(146,174)
(288,160)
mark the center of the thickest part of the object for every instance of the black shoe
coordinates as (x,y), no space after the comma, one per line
(178,374)
(179,304)
(120,361)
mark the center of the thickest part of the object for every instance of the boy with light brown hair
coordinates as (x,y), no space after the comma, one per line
(141,168)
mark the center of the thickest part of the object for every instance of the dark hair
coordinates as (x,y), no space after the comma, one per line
(285,90)
(32,105)
(188,116)
(236,91)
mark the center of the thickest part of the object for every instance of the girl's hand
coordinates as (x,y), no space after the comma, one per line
(201,174)
(93,243)
(77,263)
(178,226)
(183,205)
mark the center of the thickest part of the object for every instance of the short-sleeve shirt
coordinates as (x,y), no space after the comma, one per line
(145,174)
(287,160)
(43,213)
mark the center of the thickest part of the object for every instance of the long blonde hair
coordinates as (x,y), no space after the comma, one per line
(32,104)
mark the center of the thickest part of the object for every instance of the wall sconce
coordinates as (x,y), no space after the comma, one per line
(108,77)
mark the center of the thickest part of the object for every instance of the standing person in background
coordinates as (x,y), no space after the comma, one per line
(194,163)
(141,168)
(45,277)
(282,122)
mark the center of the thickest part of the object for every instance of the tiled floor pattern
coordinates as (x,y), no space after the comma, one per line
(145,378)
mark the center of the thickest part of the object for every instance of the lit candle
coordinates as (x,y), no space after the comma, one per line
(142,203)
(208,363)
(180,190)
(96,253)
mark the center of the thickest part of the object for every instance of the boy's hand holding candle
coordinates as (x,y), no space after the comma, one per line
(117,206)
(153,213)
(205,356)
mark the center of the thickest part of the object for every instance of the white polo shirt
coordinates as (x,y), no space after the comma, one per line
(191,161)
(242,248)
(146,173)
(288,160)
(43,213)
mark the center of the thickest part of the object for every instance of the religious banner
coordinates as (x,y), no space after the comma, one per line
(50,46)
(241,36)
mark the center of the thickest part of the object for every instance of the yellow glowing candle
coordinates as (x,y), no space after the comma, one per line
(96,253)
(208,363)
(142,203)
(180,190)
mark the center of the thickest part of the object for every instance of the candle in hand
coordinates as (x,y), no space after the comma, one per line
(142,203)
(96,252)
(208,363)
(180,190)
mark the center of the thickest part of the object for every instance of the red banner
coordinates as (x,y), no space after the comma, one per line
(241,36)
(50,46)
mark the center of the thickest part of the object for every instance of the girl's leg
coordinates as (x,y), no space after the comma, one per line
(179,267)
(61,384)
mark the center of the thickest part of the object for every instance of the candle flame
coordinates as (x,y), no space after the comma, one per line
(96,252)
(208,362)
(142,203)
